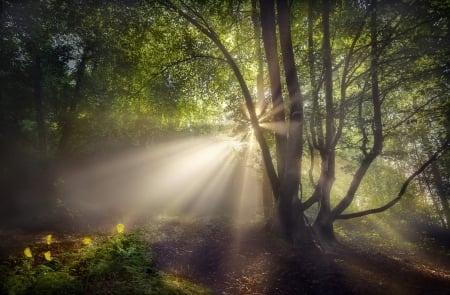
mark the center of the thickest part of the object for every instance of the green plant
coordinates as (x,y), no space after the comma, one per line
(120,256)
(119,264)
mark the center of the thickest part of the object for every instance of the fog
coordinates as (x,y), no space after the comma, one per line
(205,177)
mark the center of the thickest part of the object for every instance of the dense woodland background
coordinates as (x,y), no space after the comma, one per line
(83,80)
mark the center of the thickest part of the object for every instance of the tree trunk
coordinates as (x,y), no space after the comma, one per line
(267,195)
(323,224)
(70,114)
(288,203)
(377,128)
(260,99)
(270,46)
(39,108)
(442,192)
(317,140)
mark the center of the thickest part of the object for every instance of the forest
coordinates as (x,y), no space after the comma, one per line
(225,147)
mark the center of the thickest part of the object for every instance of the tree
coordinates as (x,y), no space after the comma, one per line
(332,120)
(349,80)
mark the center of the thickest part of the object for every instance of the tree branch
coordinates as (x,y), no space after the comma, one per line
(445,147)
(207,31)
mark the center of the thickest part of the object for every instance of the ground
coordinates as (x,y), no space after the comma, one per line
(247,260)
(244,259)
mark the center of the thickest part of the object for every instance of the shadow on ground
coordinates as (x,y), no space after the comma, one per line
(246,260)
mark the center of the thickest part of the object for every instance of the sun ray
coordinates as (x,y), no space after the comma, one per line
(270,113)
(196,176)
(277,127)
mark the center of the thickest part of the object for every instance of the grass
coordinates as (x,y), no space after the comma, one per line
(117,264)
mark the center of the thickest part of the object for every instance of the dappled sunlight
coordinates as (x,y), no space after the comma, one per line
(194,176)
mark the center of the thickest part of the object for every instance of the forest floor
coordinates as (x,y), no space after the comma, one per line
(244,259)
(247,260)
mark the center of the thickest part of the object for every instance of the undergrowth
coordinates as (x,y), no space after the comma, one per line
(119,264)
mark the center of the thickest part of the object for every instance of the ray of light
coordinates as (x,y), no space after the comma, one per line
(196,176)
(277,127)
(248,184)
(249,190)
(270,113)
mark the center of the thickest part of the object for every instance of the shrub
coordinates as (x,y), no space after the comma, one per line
(120,264)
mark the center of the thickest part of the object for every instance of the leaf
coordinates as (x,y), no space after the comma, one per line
(48,256)
(27,252)
(120,227)
(48,239)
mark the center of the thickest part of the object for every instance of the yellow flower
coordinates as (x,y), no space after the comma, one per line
(48,239)
(120,227)
(48,256)
(87,241)
(27,252)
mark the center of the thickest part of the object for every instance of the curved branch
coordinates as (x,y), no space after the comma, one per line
(344,85)
(207,31)
(377,126)
(405,185)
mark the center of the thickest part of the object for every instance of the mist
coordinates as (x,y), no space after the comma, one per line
(201,177)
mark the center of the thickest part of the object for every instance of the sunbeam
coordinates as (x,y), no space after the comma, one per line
(248,185)
(268,114)
(195,176)
(277,127)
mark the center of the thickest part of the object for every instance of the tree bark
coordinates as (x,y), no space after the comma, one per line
(267,8)
(260,99)
(288,203)
(317,140)
(323,224)
(442,192)
(267,195)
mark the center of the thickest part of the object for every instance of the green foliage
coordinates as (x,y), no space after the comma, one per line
(21,276)
(121,256)
(119,264)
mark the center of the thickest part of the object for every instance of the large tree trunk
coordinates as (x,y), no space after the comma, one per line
(289,203)
(267,8)
(289,219)
(323,224)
